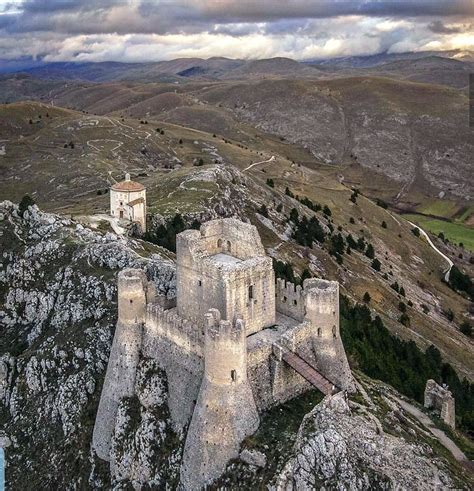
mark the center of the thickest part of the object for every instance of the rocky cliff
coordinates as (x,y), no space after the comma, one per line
(57,316)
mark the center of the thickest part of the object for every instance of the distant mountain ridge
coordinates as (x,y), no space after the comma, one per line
(436,69)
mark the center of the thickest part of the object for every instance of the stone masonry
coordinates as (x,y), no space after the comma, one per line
(222,343)
(440,398)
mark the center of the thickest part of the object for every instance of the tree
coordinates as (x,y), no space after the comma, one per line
(415,231)
(402,291)
(402,307)
(279,207)
(370,253)
(367,297)
(25,203)
(270,183)
(384,224)
(466,328)
(289,193)
(376,264)
(351,242)
(327,210)
(294,215)
(263,210)
(180,141)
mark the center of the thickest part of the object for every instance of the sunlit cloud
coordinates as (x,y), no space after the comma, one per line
(145,30)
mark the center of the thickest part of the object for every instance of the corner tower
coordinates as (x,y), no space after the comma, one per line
(225,411)
(321,305)
(124,356)
(223,266)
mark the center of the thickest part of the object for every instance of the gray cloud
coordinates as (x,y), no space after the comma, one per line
(88,29)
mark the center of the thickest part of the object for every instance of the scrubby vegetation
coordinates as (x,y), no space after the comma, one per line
(165,235)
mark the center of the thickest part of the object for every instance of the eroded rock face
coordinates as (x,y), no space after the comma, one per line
(343,448)
(145,450)
(57,316)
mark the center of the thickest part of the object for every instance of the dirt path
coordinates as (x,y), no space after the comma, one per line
(430,242)
(439,434)
(271,159)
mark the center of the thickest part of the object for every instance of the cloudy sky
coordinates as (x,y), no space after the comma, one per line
(152,30)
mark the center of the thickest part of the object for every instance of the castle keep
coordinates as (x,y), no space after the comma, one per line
(233,344)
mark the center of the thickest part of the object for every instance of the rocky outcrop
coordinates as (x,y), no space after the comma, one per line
(57,316)
(344,447)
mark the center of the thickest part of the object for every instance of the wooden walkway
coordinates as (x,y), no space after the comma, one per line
(309,373)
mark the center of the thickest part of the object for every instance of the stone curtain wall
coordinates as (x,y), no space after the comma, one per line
(289,299)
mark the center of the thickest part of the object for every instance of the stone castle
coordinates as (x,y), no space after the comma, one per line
(233,344)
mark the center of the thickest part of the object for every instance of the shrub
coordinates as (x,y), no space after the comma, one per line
(263,210)
(376,264)
(279,207)
(415,231)
(367,297)
(327,211)
(370,253)
(270,183)
(25,203)
(466,328)
(384,224)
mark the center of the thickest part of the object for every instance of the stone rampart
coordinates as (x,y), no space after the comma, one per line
(168,324)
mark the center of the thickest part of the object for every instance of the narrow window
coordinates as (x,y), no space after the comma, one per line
(199,283)
(251,292)
(295,302)
(319,332)
(131,301)
(333,331)
(233,375)
(219,243)
(284,299)
(229,246)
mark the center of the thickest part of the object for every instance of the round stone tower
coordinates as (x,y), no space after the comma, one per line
(225,411)
(124,356)
(321,305)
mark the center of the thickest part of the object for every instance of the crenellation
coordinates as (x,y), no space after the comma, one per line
(221,343)
(289,299)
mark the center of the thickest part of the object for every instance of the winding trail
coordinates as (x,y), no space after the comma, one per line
(430,242)
(439,434)
(271,159)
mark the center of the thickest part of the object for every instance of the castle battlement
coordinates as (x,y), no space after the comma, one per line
(289,299)
(217,328)
(166,323)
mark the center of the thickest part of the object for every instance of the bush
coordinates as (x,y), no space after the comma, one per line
(289,193)
(376,264)
(466,328)
(370,253)
(263,210)
(415,231)
(270,183)
(327,211)
(367,297)
(381,203)
(461,282)
(279,207)
(25,203)
(384,224)
(405,320)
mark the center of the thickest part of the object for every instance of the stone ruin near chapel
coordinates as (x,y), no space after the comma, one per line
(233,343)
